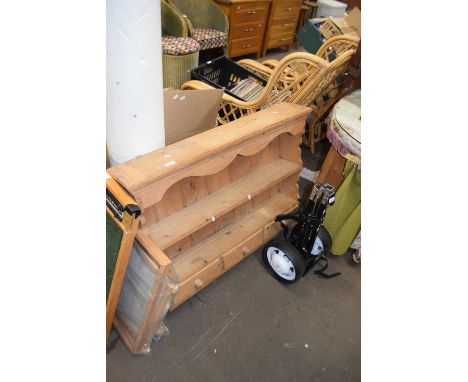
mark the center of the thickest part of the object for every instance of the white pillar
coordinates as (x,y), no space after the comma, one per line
(135,108)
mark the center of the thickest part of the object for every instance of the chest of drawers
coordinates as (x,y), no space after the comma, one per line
(247,25)
(281,24)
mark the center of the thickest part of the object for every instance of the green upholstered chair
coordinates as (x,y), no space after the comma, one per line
(206,22)
(179,52)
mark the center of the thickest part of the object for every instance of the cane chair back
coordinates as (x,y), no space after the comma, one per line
(293,74)
(323,95)
(300,78)
(335,46)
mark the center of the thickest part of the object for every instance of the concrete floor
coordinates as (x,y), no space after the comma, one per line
(246,326)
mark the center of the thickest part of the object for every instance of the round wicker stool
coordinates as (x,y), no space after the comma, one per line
(180,56)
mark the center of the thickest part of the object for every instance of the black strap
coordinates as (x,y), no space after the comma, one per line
(320,272)
(282,217)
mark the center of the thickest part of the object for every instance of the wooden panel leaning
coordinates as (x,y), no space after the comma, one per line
(207,202)
(122,215)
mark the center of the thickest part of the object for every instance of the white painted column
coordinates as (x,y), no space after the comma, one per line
(135,108)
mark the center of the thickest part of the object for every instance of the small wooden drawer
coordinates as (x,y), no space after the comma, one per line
(288,3)
(247,13)
(281,28)
(245,46)
(243,250)
(249,8)
(198,281)
(286,11)
(281,39)
(284,21)
(247,30)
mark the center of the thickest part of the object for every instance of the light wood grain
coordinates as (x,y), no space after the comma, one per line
(148,169)
(178,225)
(213,207)
(200,259)
(197,257)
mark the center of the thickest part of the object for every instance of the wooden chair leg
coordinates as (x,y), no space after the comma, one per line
(311,142)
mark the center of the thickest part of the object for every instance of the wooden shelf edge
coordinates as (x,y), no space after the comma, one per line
(254,220)
(258,235)
(190,219)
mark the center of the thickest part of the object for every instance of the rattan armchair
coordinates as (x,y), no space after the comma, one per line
(206,22)
(300,78)
(329,50)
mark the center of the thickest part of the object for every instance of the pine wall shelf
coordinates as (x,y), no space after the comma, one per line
(207,202)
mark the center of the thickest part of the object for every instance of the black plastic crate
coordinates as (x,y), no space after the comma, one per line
(223,73)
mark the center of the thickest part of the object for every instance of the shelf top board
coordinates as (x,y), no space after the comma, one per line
(142,171)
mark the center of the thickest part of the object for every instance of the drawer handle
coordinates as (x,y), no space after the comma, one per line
(251,12)
(283,39)
(245,251)
(289,9)
(198,283)
(245,46)
(249,30)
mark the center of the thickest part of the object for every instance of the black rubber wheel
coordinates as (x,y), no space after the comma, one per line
(325,242)
(283,261)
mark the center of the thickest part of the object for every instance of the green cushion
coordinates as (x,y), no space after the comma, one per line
(113,239)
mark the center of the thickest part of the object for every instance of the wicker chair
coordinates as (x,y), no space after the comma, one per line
(323,102)
(180,52)
(300,78)
(330,49)
(206,22)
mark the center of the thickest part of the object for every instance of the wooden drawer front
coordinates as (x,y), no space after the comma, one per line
(198,281)
(288,3)
(243,250)
(282,28)
(245,46)
(280,39)
(247,30)
(247,13)
(286,10)
(284,21)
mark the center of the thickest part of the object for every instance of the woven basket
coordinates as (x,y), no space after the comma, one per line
(176,69)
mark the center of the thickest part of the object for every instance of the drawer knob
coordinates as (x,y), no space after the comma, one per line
(289,9)
(245,251)
(245,46)
(198,283)
(251,12)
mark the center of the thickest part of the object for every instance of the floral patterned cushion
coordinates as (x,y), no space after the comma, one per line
(209,38)
(178,46)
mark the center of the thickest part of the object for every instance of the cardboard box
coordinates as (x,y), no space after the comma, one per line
(349,24)
(316,31)
(189,112)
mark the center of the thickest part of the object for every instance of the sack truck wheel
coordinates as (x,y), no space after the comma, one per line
(283,261)
(323,242)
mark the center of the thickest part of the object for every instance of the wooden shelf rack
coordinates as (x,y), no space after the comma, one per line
(209,201)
